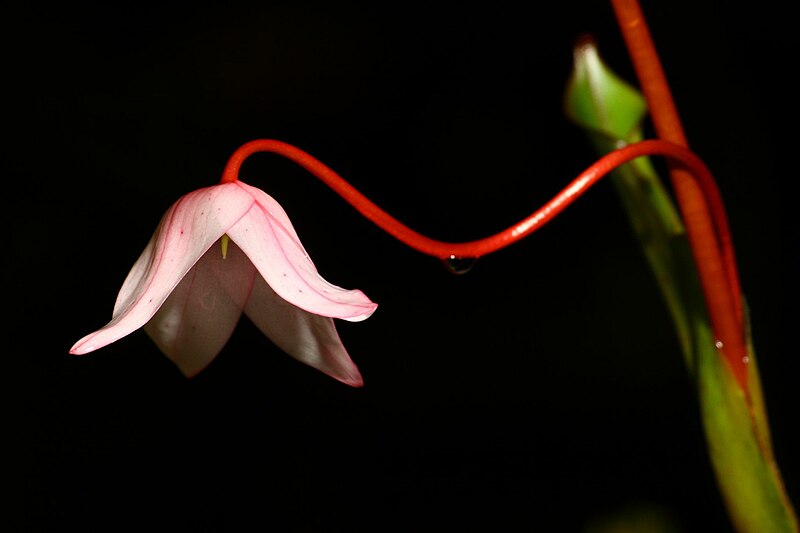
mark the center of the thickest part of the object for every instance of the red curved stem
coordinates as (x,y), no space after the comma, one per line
(480,247)
(714,252)
(702,234)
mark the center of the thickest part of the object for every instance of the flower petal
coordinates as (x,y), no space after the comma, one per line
(307,337)
(186,231)
(198,317)
(268,238)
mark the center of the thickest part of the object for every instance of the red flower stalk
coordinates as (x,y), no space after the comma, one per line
(703,224)
(710,239)
(680,156)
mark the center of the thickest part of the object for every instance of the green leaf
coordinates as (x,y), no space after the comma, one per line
(740,449)
(611,112)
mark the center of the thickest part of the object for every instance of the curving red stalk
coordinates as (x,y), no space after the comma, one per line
(679,155)
(703,225)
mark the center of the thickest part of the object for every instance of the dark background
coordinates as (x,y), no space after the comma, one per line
(542,391)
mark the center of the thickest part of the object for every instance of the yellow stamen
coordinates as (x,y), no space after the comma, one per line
(224,241)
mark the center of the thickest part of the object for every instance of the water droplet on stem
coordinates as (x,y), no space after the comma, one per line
(459,265)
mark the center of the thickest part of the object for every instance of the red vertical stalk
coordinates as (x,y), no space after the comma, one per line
(704,216)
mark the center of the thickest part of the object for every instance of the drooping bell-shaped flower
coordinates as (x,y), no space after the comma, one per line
(221,251)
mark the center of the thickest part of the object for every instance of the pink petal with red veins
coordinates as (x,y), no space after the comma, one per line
(199,316)
(186,231)
(268,238)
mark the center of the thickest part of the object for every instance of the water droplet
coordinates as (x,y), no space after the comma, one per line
(459,265)
(746,359)
(719,344)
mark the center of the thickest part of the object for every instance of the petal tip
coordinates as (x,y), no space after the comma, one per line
(189,374)
(355,381)
(347,373)
(82,347)
(369,310)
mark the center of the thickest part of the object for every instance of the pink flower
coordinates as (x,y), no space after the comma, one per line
(221,251)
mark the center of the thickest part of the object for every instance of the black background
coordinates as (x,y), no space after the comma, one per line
(542,391)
